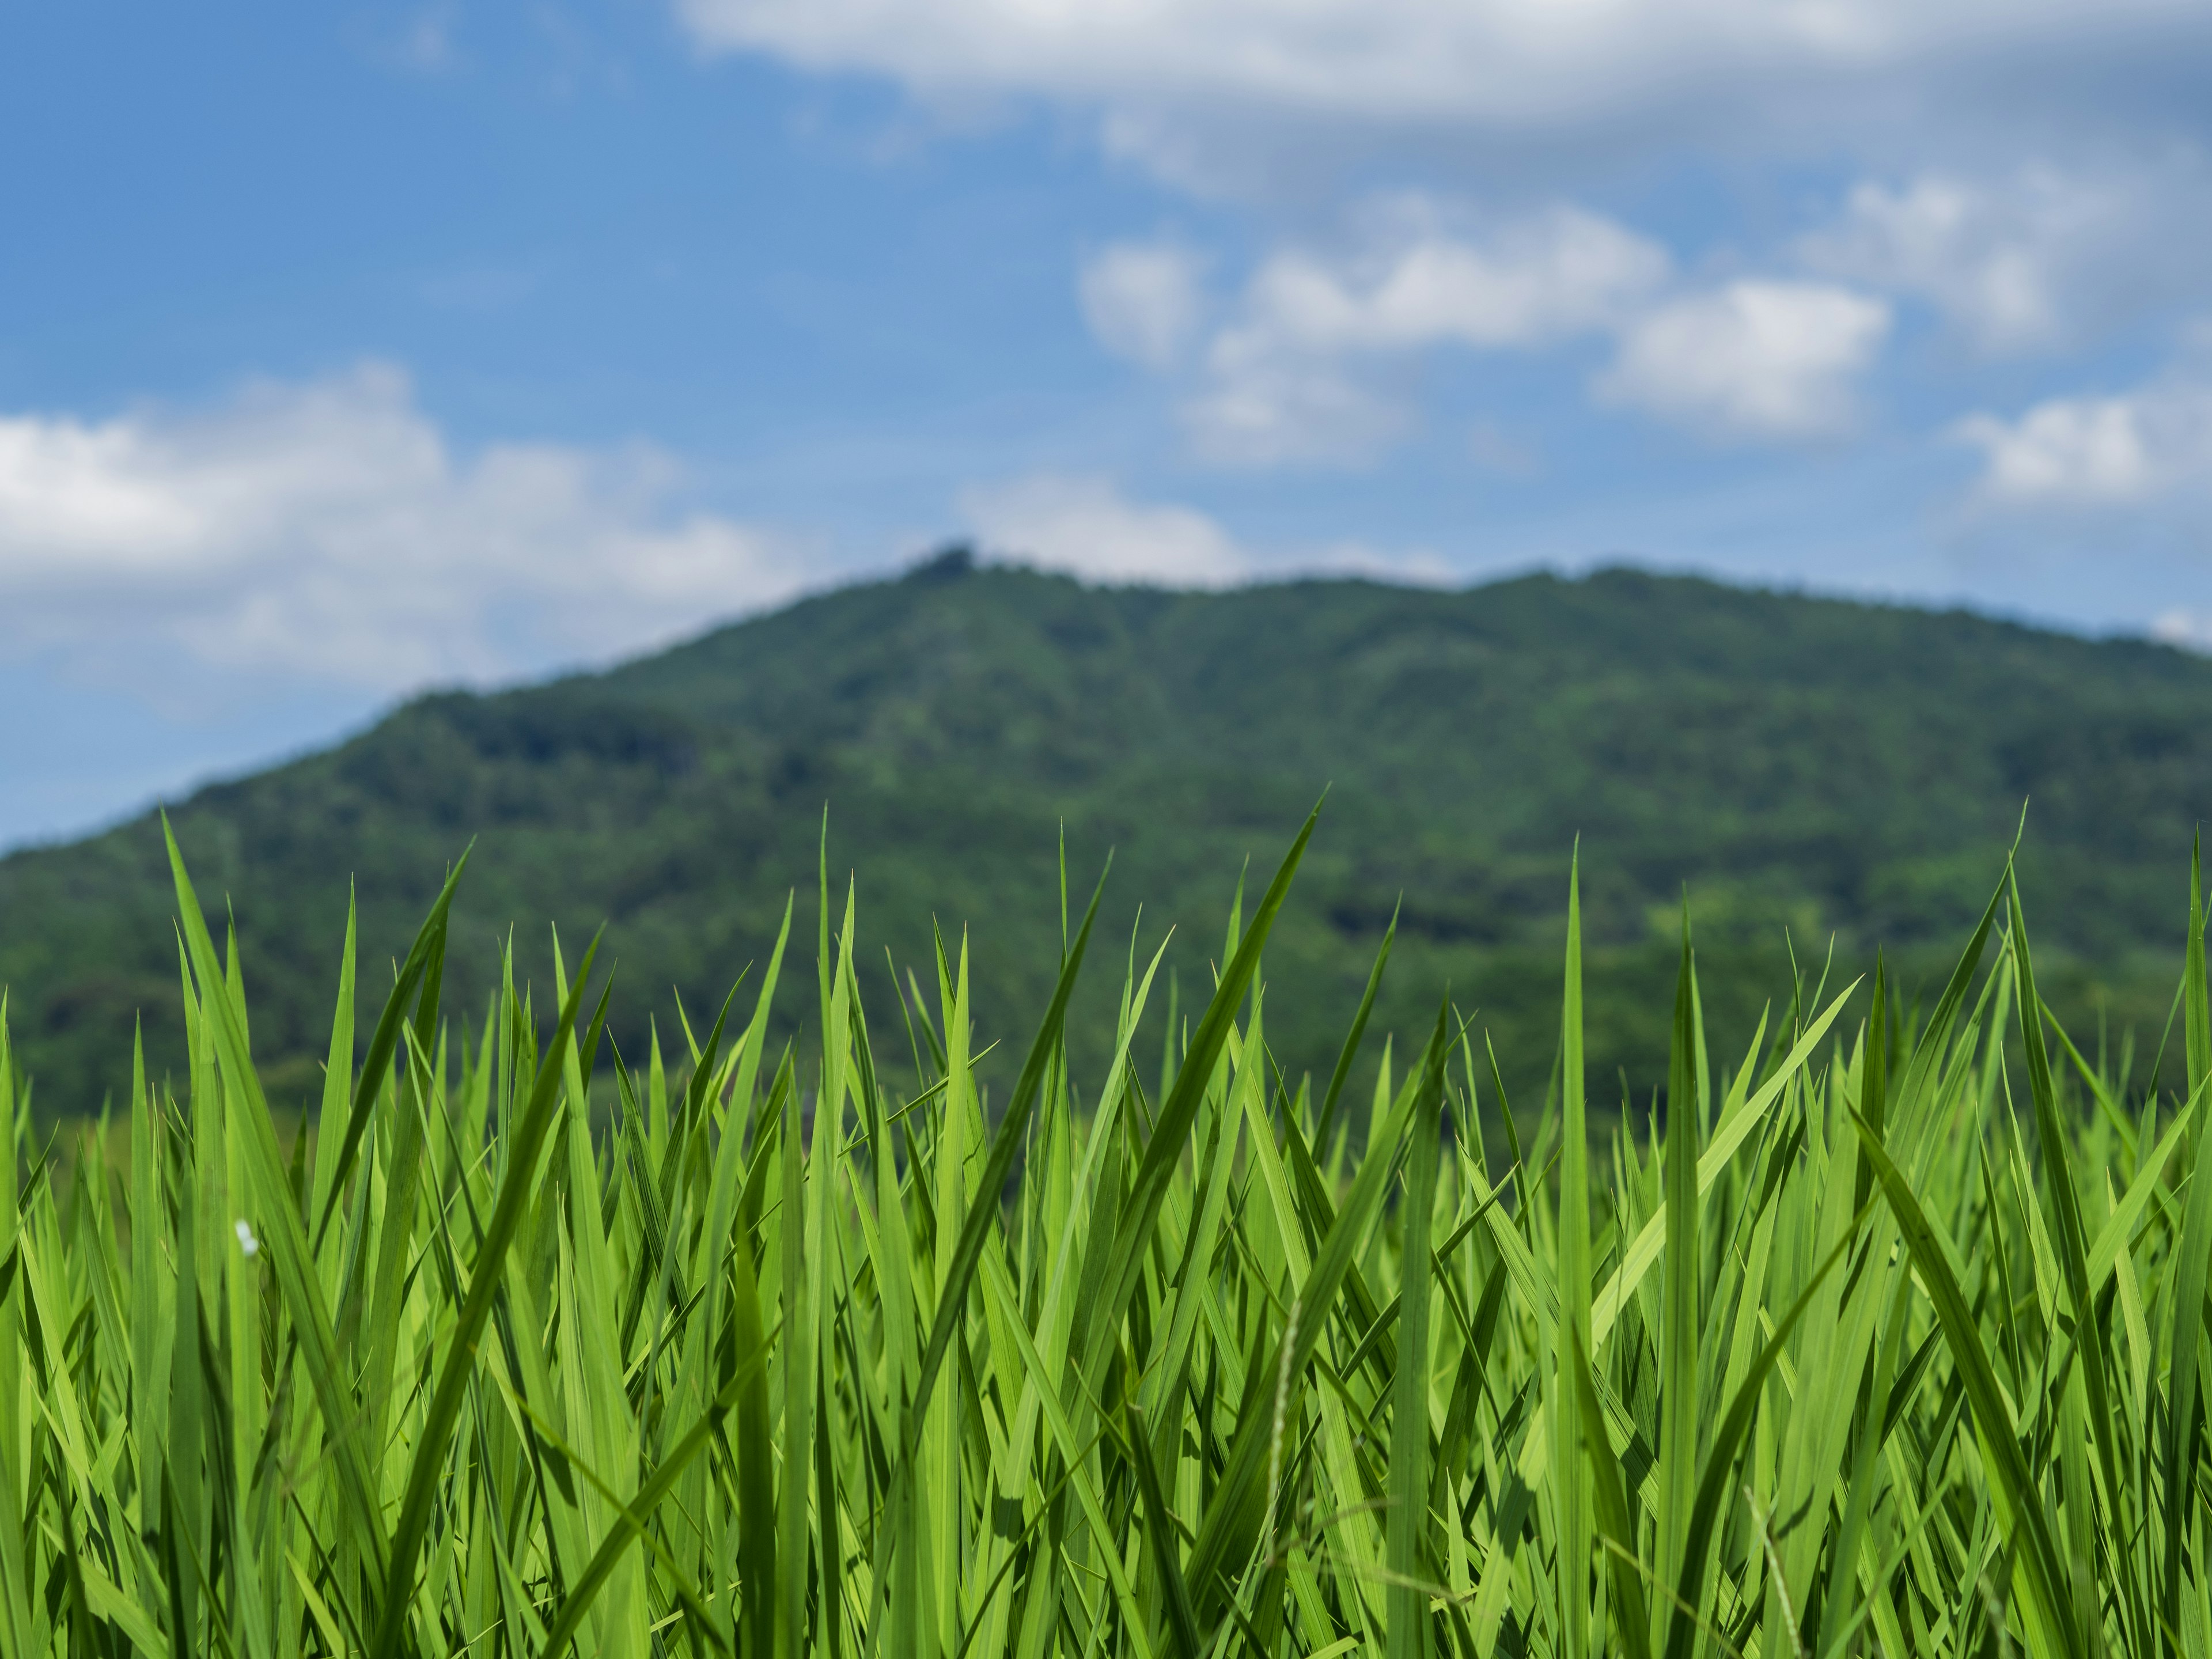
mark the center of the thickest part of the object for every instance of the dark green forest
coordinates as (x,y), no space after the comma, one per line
(1822,778)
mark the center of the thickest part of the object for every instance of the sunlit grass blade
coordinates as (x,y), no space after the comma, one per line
(1617,1533)
(1006,1142)
(2013,1483)
(1407,1493)
(1728,1436)
(1572,1280)
(1097,1321)
(1349,1051)
(1680,1320)
(486,1271)
(1182,1621)
(418,974)
(2192,1266)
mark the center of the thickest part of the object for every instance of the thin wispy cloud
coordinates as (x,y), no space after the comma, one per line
(2032,259)
(1144,300)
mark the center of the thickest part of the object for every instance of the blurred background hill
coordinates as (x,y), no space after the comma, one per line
(1814,772)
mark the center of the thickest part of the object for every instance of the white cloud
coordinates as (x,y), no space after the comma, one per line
(1085,527)
(328,530)
(1293,374)
(1418,283)
(1519,65)
(2018,262)
(1751,360)
(2191,630)
(1144,301)
(1260,408)
(1311,361)
(1417,567)
(2124,451)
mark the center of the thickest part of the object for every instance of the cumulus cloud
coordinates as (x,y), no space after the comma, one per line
(1418,283)
(2021,261)
(1086,527)
(329,531)
(1300,371)
(1520,65)
(1310,362)
(2122,450)
(1751,359)
(2190,630)
(1144,301)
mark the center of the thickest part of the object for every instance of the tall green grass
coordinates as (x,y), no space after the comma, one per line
(1886,1336)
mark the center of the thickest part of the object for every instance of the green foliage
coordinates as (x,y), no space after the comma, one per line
(1801,764)
(533,1346)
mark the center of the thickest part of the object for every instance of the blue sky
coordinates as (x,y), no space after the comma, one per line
(346,351)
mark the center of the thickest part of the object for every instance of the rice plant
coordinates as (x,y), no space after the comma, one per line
(1886,1335)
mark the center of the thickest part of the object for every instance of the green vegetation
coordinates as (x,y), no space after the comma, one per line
(1882,1342)
(1801,765)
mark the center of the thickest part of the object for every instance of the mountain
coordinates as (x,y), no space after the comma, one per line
(1811,770)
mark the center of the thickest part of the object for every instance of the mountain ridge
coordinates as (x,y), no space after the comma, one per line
(1799,761)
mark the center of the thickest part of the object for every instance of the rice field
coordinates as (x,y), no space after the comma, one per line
(1885,1333)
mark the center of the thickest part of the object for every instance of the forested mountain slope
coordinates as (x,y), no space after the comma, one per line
(1821,766)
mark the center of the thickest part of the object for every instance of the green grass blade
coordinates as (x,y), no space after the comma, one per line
(420,972)
(1729,1438)
(291,1254)
(2073,1255)
(2049,1583)
(1735,1129)
(1631,1622)
(1099,1319)
(983,1209)
(1406,1524)
(2192,1266)
(651,1493)
(486,1272)
(1678,1331)
(1571,1278)
(1349,1052)
(1182,1621)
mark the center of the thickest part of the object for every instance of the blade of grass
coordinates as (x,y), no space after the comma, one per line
(1571,1278)
(2048,1583)
(2193,1265)
(1407,1492)
(486,1272)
